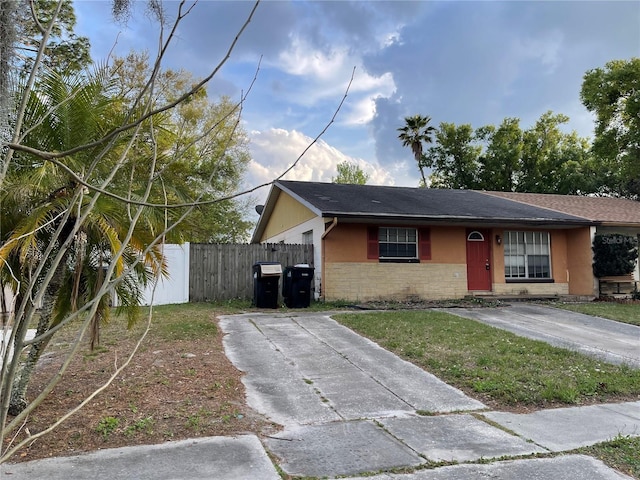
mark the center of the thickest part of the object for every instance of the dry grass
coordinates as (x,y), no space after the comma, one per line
(179,385)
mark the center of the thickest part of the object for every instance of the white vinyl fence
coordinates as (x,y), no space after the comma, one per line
(175,288)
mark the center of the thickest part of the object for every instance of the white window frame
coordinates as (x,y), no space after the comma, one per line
(307,237)
(398,236)
(519,247)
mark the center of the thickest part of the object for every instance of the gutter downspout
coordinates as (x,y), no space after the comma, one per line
(333,225)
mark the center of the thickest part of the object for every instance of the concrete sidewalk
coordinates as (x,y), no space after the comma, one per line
(224,458)
(351,408)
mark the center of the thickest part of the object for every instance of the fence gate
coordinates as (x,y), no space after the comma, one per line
(225,271)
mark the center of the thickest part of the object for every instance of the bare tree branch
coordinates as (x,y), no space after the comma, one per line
(27,91)
(6,455)
(217,200)
(335,114)
(68,224)
(56,155)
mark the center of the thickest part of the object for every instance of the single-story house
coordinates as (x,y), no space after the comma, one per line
(397,243)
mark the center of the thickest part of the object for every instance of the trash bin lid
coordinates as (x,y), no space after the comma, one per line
(270,269)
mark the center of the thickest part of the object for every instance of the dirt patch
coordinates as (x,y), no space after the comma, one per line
(172,390)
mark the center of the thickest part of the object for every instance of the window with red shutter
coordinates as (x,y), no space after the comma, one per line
(424,235)
(372,243)
(398,244)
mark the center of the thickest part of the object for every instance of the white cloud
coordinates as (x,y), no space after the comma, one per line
(461,62)
(301,59)
(361,112)
(325,75)
(364,82)
(275,150)
(545,49)
(389,39)
(365,89)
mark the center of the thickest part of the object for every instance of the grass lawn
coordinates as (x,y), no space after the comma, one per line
(622,453)
(621,312)
(495,365)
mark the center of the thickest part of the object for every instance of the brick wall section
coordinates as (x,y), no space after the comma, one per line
(531,288)
(394,281)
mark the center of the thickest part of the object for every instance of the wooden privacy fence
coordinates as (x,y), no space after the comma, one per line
(225,271)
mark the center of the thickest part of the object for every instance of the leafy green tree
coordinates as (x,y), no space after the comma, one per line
(416,131)
(454,157)
(576,171)
(498,164)
(350,173)
(553,161)
(612,93)
(614,254)
(205,152)
(65,51)
(541,159)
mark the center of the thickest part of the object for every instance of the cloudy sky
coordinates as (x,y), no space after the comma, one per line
(471,62)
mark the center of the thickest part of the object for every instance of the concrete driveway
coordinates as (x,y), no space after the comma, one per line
(349,407)
(608,340)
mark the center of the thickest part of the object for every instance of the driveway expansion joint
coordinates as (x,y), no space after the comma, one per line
(349,407)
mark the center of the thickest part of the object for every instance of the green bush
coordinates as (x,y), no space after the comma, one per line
(614,254)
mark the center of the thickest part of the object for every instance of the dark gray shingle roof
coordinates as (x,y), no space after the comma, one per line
(330,199)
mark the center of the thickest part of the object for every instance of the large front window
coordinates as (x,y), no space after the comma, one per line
(526,255)
(398,243)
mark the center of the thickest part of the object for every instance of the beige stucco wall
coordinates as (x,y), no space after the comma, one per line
(356,281)
(559,262)
(346,243)
(287,213)
(449,245)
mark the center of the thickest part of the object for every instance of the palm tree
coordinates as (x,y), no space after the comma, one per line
(58,237)
(415,131)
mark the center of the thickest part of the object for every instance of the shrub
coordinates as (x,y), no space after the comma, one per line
(614,254)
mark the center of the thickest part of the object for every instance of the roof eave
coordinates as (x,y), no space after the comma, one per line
(272,196)
(456,220)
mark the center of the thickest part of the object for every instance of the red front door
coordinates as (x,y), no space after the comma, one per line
(478,260)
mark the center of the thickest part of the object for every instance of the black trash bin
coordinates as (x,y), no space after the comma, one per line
(296,286)
(266,278)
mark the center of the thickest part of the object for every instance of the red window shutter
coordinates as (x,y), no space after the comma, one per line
(424,238)
(373,251)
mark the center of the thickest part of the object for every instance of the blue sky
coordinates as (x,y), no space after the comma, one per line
(471,62)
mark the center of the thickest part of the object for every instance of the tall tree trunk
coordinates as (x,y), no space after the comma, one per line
(420,162)
(7,46)
(18,400)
